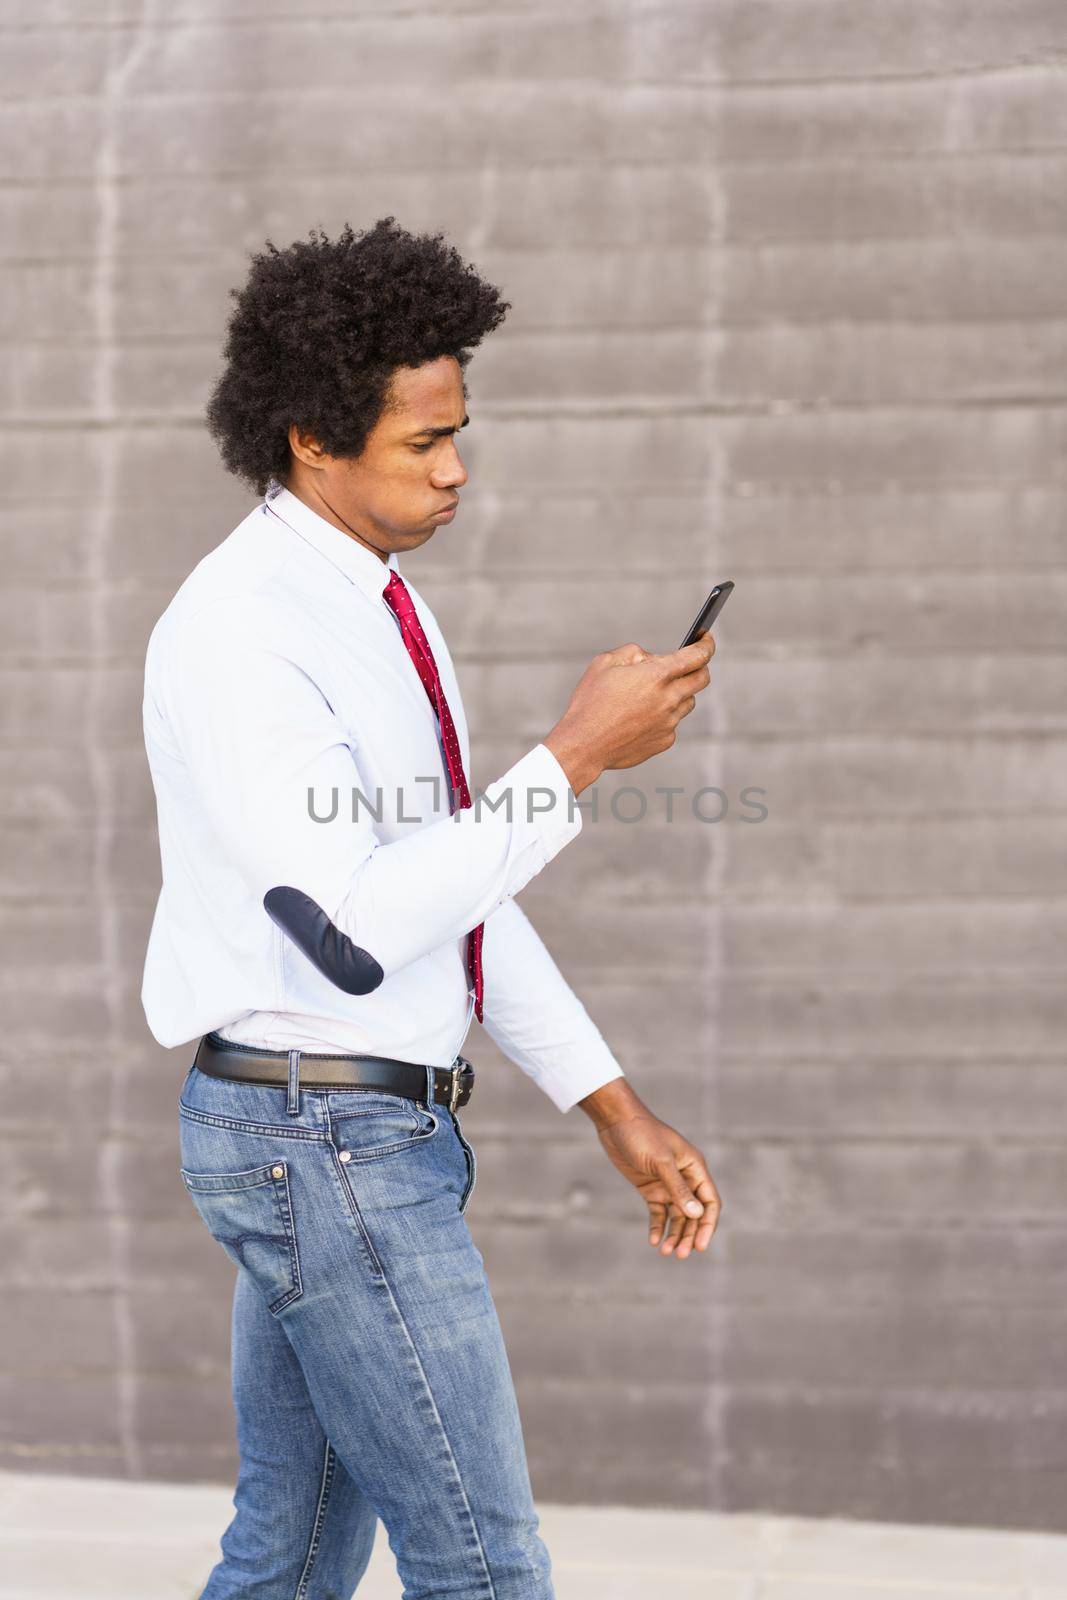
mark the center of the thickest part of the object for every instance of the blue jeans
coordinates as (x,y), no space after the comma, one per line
(369,1372)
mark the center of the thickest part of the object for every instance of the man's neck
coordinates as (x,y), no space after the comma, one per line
(313,499)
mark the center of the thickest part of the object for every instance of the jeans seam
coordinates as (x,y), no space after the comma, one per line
(490,1593)
(354,1212)
(289,1223)
(267,1129)
(328,1465)
(357,1215)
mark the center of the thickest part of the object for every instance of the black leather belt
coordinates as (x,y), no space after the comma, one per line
(222,1058)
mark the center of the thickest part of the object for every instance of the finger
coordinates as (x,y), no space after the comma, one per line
(690,658)
(677,1229)
(686,1238)
(696,1171)
(678,1226)
(657,1217)
(707,1224)
(691,682)
(680,1235)
(697,1233)
(706,1230)
(626,655)
(675,1224)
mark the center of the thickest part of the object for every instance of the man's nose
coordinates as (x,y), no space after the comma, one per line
(450,472)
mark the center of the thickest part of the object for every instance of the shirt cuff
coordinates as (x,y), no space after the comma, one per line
(542,797)
(565,1089)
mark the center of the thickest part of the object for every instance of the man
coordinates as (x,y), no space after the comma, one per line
(335,907)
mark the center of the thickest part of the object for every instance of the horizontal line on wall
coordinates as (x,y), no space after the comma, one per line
(711,743)
(820,160)
(710,241)
(617,1209)
(783,897)
(923,1059)
(764,571)
(462,571)
(503,1133)
(679,87)
(385,21)
(586,330)
(668,493)
(709,167)
(787,655)
(713,165)
(760,742)
(771,575)
(557,410)
(806,826)
(823,985)
(576,1296)
(778,900)
(1045,727)
(931,1400)
(770,571)
(88,1063)
(648,1295)
(872,979)
(992,1139)
(626,253)
(815,158)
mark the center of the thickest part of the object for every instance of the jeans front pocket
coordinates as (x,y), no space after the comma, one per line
(250,1214)
(369,1123)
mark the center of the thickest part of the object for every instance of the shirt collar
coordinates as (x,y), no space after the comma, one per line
(360,565)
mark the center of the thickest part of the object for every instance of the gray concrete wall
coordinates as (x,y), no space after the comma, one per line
(790,306)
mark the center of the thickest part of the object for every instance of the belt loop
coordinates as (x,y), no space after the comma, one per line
(292,1105)
(431,1085)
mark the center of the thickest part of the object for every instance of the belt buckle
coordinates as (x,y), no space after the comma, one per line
(456,1071)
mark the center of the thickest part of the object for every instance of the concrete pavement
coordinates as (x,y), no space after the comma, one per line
(99,1539)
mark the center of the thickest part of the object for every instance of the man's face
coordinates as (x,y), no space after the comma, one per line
(399,490)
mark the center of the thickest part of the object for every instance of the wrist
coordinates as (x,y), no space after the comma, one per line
(615,1101)
(574,756)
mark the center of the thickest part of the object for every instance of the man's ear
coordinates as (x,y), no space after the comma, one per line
(305,447)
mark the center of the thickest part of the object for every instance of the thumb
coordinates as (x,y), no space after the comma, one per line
(681,1194)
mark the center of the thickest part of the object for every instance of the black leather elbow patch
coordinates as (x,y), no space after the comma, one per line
(326,947)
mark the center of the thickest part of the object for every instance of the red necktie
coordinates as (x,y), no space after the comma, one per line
(396,596)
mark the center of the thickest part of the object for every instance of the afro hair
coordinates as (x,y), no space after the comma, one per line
(320,327)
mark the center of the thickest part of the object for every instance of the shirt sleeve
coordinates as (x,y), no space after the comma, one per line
(534,1016)
(257,734)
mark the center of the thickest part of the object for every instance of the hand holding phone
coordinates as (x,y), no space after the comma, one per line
(626,707)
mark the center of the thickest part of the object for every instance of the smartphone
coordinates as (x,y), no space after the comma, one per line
(708,612)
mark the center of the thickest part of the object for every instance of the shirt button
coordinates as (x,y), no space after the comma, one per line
(277,1172)
(346,1155)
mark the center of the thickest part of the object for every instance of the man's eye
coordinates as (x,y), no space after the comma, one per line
(422,448)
